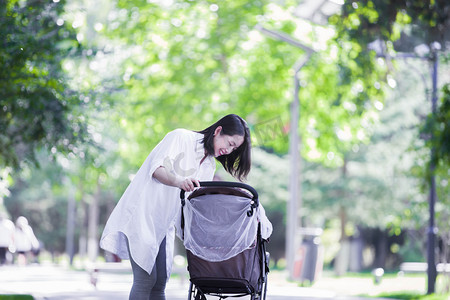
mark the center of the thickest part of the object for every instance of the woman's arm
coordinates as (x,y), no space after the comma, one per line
(163,176)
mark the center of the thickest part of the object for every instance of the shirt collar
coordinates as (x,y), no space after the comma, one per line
(200,149)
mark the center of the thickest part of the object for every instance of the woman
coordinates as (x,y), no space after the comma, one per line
(141,226)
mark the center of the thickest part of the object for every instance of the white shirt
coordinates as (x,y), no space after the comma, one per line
(147,211)
(6,233)
(24,238)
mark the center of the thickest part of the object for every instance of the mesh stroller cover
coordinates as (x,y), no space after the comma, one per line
(217,226)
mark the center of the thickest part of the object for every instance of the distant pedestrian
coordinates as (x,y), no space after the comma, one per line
(6,239)
(141,227)
(25,241)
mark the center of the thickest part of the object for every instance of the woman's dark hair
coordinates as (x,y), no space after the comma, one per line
(238,162)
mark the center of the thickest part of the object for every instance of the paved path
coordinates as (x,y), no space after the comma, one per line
(48,282)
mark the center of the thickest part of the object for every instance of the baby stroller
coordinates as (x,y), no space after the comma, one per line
(222,232)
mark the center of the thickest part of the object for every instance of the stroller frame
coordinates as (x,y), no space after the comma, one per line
(200,287)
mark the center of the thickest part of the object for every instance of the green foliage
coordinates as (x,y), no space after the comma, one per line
(374,184)
(37,109)
(391,27)
(436,130)
(404,25)
(420,21)
(190,62)
(205,59)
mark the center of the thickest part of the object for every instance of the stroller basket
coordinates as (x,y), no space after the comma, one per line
(222,286)
(244,273)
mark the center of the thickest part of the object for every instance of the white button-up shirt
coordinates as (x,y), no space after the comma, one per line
(147,211)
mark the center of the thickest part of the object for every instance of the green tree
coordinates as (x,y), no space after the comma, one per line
(207,59)
(37,107)
(404,26)
(390,27)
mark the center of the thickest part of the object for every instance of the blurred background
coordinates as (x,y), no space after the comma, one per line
(348,104)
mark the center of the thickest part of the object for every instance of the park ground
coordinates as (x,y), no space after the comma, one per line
(55,282)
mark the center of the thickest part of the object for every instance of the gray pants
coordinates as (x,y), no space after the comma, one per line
(150,286)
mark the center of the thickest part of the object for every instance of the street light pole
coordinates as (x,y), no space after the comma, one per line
(295,199)
(294,203)
(432,230)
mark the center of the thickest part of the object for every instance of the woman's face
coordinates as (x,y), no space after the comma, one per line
(225,144)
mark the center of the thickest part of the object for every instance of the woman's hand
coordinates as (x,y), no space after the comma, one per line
(165,177)
(188,184)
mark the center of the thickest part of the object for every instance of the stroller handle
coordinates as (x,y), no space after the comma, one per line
(228,184)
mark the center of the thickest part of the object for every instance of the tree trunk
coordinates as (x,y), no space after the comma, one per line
(70,230)
(381,249)
(343,256)
(93,226)
(84,225)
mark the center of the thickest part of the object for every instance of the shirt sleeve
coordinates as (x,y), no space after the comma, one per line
(266,225)
(169,153)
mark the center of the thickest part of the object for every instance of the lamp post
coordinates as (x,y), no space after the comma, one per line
(294,203)
(432,230)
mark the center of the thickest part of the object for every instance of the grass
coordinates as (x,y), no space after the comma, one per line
(16,297)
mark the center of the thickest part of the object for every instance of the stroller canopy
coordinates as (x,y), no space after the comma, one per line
(217,226)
